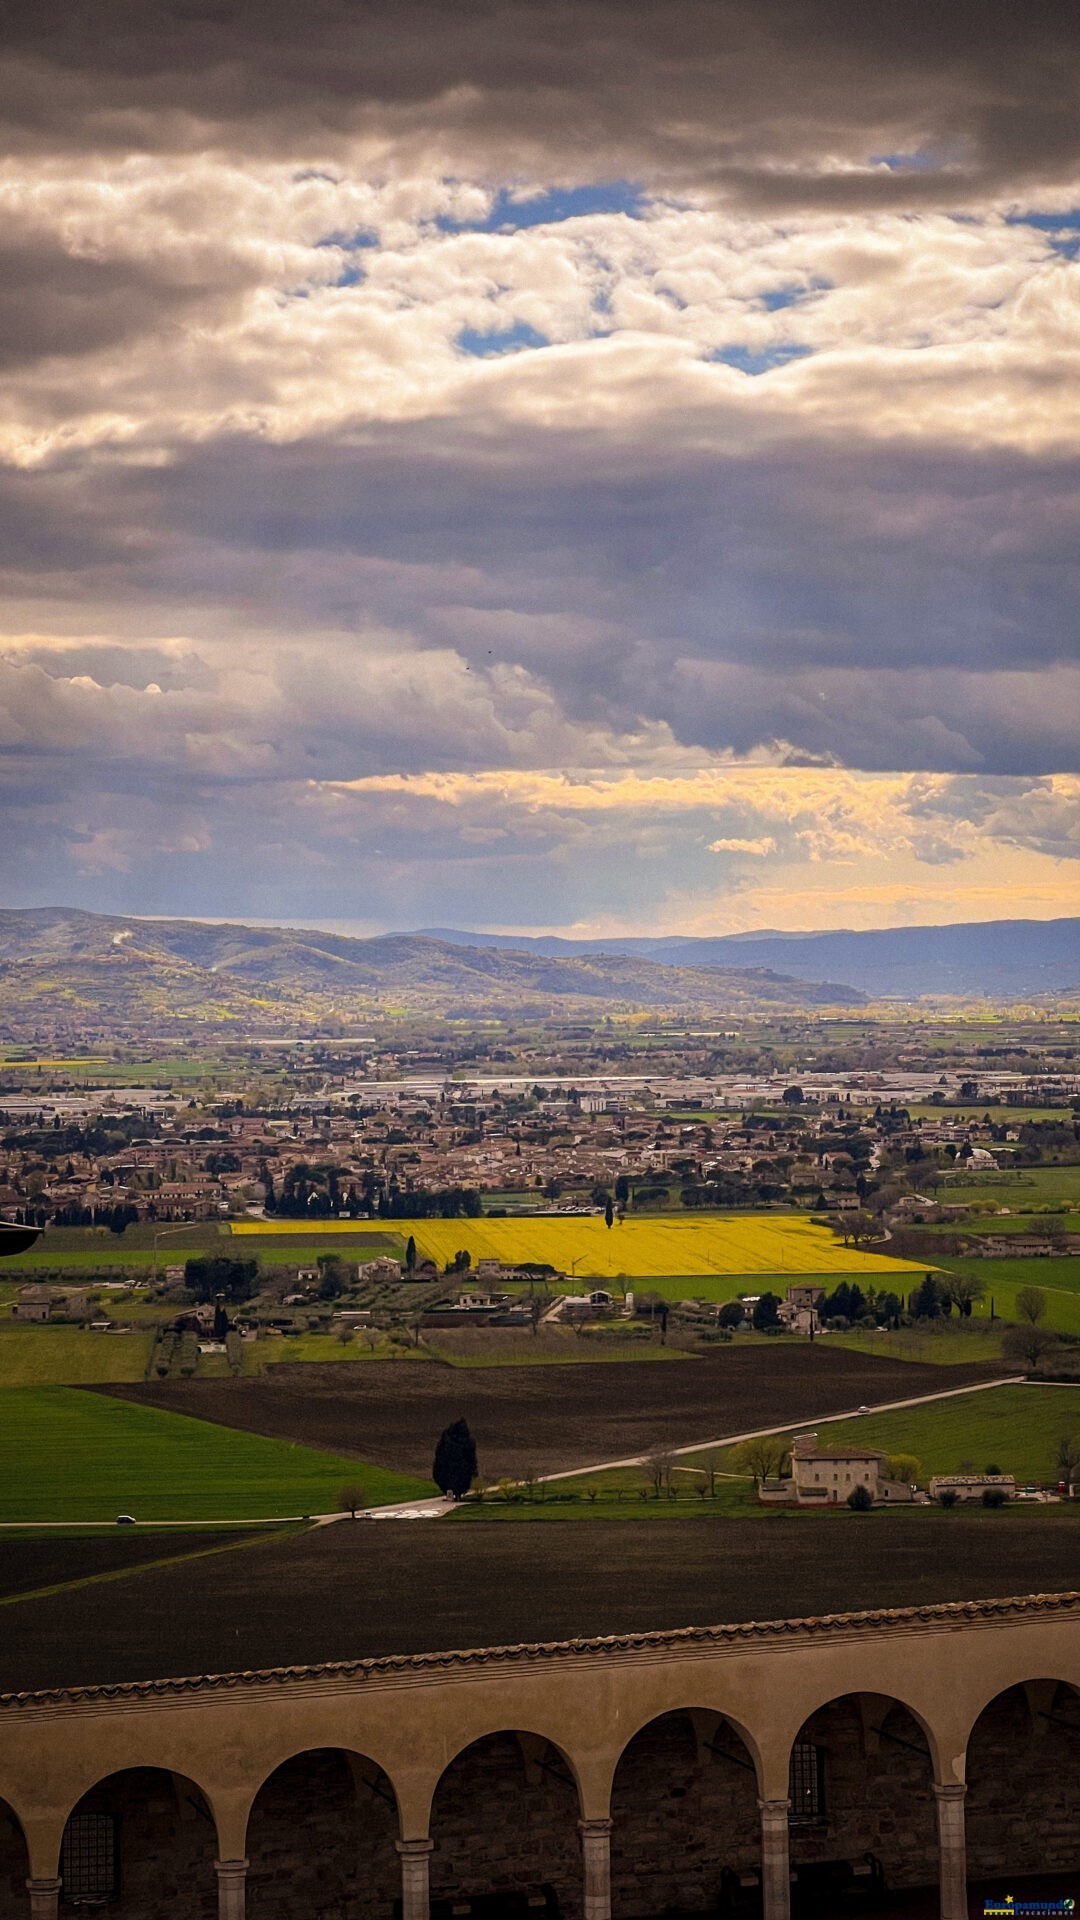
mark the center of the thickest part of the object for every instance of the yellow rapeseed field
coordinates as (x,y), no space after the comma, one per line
(640,1249)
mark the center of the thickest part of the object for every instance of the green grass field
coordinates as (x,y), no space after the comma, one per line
(88,1251)
(1016,1428)
(33,1356)
(258,1355)
(939,1344)
(74,1456)
(1019,1187)
(1058,1278)
(1001,1115)
(551,1347)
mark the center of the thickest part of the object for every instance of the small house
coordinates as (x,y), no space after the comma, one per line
(827,1476)
(36,1303)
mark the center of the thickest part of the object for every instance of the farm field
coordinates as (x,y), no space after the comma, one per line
(79,1456)
(938,1344)
(726,1247)
(1019,1187)
(1004,1225)
(75,1250)
(46,1561)
(1058,1278)
(312,1348)
(352,1591)
(549,1347)
(70,1356)
(1000,1113)
(1017,1428)
(544,1418)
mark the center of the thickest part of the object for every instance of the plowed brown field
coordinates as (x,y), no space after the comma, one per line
(546,1418)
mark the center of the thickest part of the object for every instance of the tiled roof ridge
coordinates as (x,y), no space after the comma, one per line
(934,1613)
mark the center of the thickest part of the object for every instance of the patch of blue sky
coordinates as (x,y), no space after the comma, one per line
(350,242)
(1062,230)
(350,277)
(790,296)
(510,215)
(758,360)
(499,340)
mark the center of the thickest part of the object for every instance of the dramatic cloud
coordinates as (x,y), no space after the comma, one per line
(541,464)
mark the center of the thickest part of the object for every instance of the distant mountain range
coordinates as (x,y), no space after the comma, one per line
(1001,959)
(65,965)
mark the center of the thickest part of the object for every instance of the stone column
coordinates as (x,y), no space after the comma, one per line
(775,1860)
(596,1862)
(44,1899)
(415,1895)
(231,1888)
(952,1851)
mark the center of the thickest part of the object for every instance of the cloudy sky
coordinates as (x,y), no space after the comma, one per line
(606,467)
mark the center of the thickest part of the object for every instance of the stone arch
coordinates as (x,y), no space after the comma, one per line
(684,1811)
(146,1837)
(1022,1807)
(861,1785)
(321,1839)
(504,1821)
(14,1863)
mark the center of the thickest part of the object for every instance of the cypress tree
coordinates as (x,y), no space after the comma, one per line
(454,1469)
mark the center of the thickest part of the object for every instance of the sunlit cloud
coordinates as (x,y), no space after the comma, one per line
(614,467)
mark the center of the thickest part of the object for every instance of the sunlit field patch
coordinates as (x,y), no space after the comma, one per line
(745,1246)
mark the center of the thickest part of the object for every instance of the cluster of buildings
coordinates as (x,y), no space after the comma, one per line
(362,1145)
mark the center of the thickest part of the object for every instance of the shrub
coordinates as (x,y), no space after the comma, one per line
(993,1497)
(948,1498)
(860,1499)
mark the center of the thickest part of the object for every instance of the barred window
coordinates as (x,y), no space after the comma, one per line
(807,1782)
(89,1860)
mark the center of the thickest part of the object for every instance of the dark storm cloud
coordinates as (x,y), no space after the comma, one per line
(54,302)
(734,93)
(740,600)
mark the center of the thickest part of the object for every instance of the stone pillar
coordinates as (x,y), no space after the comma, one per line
(44,1899)
(415,1896)
(952,1851)
(231,1888)
(596,1863)
(775,1860)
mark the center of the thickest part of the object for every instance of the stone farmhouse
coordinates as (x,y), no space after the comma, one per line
(825,1476)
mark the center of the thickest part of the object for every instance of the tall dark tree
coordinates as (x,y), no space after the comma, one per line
(609,1212)
(208,1275)
(766,1312)
(410,1254)
(454,1469)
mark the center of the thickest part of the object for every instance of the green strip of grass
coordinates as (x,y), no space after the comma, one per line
(32,1356)
(71,1456)
(142,1566)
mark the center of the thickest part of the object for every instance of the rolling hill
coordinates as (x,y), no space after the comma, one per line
(998,959)
(58,962)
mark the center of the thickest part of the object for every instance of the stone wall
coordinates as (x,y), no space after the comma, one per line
(879,1795)
(167,1846)
(321,1842)
(1023,1798)
(13,1867)
(681,1812)
(505,1816)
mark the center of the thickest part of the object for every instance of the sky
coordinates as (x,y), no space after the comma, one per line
(600,468)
